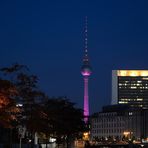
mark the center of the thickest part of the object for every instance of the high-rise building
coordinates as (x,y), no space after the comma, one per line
(130,87)
(86,72)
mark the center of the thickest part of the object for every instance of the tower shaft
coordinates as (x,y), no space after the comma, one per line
(86,100)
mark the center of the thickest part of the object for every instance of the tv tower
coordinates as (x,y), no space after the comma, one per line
(86,72)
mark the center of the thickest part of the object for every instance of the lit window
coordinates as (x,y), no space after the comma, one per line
(133,87)
(139,99)
(130,113)
(123,102)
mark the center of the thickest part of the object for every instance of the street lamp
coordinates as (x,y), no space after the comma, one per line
(126,133)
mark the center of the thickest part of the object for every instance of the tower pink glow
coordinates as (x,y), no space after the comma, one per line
(86,72)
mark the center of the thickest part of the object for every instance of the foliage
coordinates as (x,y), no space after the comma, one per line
(24,84)
(57,117)
(47,116)
(8,109)
(64,117)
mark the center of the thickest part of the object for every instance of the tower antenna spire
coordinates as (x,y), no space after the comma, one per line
(86,35)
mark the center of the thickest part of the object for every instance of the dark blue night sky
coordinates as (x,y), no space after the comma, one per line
(48,37)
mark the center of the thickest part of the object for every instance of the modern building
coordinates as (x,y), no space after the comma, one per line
(86,72)
(119,121)
(107,124)
(130,87)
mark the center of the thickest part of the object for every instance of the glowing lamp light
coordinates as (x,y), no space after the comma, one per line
(19,105)
(126,133)
(85,134)
(29,140)
(52,139)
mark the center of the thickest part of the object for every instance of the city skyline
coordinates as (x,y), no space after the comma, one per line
(48,37)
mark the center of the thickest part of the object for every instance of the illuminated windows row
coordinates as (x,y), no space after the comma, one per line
(134,84)
(137,99)
(134,87)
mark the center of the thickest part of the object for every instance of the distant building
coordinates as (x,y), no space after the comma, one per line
(130,87)
(106,124)
(117,121)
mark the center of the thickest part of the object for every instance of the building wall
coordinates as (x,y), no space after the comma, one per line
(116,123)
(114,87)
(107,125)
(145,123)
(133,123)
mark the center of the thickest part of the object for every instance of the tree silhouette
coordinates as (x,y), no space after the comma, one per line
(27,93)
(57,117)
(8,107)
(65,119)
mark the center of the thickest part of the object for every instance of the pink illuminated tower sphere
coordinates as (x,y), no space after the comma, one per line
(86,72)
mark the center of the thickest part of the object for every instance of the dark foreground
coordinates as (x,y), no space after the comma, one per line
(119,146)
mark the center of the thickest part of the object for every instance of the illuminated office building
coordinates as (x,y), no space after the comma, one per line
(130,87)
